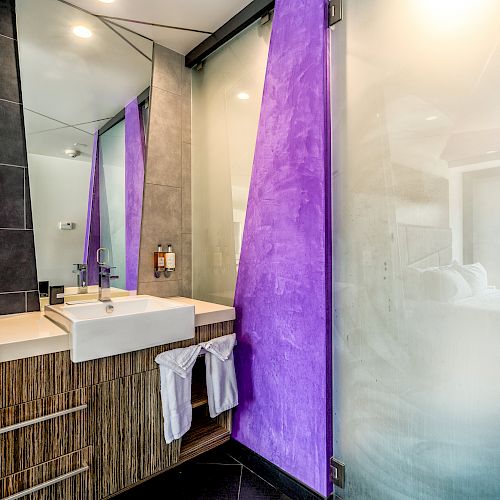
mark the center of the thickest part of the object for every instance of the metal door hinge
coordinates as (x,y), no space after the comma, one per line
(334,12)
(267,17)
(337,472)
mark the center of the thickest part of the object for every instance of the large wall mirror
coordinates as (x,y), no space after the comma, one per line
(79,76)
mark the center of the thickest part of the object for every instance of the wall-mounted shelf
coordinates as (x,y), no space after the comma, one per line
(198,400)
(199,387)
(205,433)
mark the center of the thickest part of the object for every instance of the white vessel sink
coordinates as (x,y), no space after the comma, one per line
(135,322)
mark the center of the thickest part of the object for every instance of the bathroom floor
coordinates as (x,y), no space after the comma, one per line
(214,475)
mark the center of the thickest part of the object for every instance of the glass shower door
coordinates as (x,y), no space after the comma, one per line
(416,190)
(227,95)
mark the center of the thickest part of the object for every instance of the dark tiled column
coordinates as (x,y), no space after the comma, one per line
(18,280)
(166,214)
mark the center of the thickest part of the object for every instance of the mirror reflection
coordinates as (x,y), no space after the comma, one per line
(78,75)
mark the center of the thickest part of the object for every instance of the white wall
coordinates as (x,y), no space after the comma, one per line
(59,191)
(486,226)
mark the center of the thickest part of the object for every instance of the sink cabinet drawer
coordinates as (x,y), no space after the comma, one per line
(42,430)
(64,478)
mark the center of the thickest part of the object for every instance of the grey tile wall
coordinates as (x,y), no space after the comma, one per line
(166,216)
(18,280)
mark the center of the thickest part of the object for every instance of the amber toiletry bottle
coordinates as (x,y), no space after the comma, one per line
(159,260)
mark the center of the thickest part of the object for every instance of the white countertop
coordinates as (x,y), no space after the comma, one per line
(207,313)
(31,334)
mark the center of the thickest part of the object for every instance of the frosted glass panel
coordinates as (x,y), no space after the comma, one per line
(112,198)
(227,95)
(416,190)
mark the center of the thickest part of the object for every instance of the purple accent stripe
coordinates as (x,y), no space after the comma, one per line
(134,186)
(93,227)
(329,287)
(284,286)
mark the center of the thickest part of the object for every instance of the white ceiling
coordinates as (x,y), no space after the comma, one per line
(433,69)
(72,86)
(206,15)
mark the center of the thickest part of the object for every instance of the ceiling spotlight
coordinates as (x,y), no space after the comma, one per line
(72,153)
(491,151)
(106,1)
(431,118)
(243,96)
(82,32)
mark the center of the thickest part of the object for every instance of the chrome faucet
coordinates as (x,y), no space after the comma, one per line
(105,278)
(81,277)
(105,275)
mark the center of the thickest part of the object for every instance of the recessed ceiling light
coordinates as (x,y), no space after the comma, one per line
(491,151)
(243,96)
(106,1)
(72,153)
(82,32)
(431,118)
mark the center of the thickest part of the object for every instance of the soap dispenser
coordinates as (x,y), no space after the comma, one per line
(169,259)
(159,261)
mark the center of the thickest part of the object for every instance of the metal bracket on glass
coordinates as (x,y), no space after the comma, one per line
(337,472)
(334,12)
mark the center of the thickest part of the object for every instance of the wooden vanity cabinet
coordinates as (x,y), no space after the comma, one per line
(39,431)
(93,429)
(44,448)
(128,432)
(66,477)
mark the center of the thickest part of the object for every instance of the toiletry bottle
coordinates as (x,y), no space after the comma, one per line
(169,259)
(159,260)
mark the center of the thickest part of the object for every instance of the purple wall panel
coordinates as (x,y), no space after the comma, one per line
(93,228)
(283,291)
(134,186)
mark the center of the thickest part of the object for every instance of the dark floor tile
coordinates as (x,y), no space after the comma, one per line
(7,18)
(269,472)
(190,482)
(27,200)
(216,456)
(32,301)
(255,488)
(11,303)
(17,261)
(9,81)
(12,144)
(12,197)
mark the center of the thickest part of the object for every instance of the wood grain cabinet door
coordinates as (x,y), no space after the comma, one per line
(127,432)
(39,431)
(65,478)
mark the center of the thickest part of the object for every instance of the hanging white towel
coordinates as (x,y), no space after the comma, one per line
(222,390)
(176,370)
